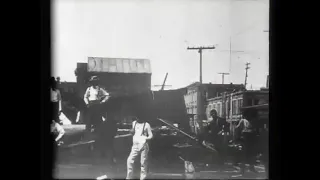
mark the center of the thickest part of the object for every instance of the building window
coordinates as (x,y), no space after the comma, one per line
(249,102)
(239,105)
(256,101)
(219,109)
(234,107)
(209,109)
(227,107)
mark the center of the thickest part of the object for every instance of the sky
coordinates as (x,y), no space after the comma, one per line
(161,31)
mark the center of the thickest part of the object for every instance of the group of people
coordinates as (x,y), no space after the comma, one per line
(100,122)
(245,134)
(95,97)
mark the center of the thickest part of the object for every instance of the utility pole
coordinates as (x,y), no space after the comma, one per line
(222,74)
(267,84)
(230,54)
(245,80)
(200,52)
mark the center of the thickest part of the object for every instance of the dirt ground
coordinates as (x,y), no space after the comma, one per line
(80,162)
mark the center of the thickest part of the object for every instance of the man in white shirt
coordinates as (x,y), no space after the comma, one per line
(142,133)
(57,131)
(94,97)
(248,137)
(55,99)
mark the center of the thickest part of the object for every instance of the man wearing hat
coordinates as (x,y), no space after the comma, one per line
(94,97)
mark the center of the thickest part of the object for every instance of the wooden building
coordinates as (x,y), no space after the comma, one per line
(117,75)
(196,99)
(230,104)
(68,87)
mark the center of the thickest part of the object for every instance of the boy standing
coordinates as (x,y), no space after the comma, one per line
(142,133)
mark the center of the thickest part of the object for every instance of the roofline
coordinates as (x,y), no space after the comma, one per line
(125,58)
(256,106)
(130,73)
(262,91)
(195,84)
(66,82)
(240,92)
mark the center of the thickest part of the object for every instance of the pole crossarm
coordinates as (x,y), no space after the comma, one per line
(223,74)
(201,47)
(246,77)
(162,85)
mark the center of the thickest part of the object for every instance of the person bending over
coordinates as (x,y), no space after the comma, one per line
(57,132)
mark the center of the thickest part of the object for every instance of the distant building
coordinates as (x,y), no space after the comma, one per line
(117,75)
(235,101)
(197,95)
(229,105)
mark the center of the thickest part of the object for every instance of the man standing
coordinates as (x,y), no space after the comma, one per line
(55,99)
(94,97)
(216,136)
(248,140)
(142,133)
(265,147)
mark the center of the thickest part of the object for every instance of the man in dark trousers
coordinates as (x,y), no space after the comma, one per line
(214,134)
(264,139)
(218,129)
(248,138)
(104,141)
(94,97)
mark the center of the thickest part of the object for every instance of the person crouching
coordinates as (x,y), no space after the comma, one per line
(142,133)
(57,131)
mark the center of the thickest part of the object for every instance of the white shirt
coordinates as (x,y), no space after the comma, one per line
(138,137)
(56,128)
(246,125)
(94,94)
(55,95)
